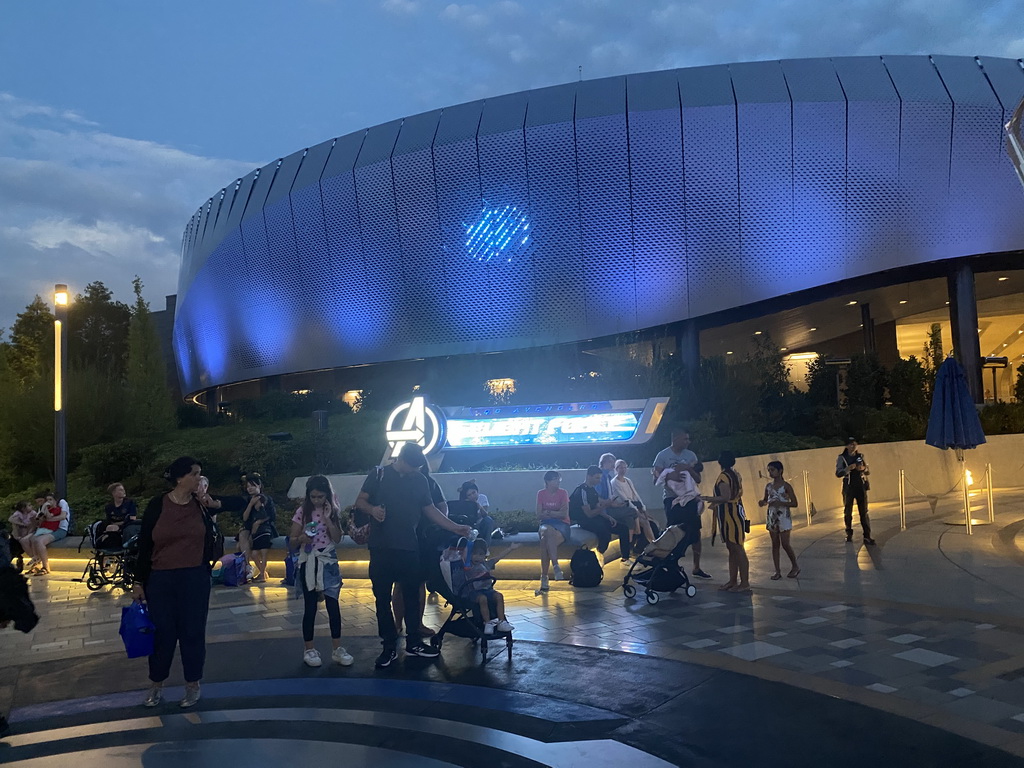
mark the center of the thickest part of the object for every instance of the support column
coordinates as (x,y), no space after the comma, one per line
(963,317)
(689,350)
(212,400)
(868,328)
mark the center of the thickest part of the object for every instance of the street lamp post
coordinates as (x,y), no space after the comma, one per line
(60,359)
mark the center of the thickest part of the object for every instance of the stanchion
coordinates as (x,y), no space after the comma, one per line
(967,497)
(903,501)
(988,490)
(807,496)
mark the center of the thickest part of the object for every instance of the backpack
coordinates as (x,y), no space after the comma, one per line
(233,570)
(586,570)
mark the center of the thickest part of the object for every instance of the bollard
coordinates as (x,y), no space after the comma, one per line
(988,490)
(903,501)
(807,497)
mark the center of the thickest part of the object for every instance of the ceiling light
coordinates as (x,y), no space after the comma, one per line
(728,353)
(947,303)
(783,349)
(757,333)
(850,303)
(1002,279)
(903,301)
(814,329)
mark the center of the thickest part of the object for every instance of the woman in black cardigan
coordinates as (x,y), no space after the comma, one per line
(176,553)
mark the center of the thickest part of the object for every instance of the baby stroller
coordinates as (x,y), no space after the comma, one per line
(463,620)
(110,564)
(660,567)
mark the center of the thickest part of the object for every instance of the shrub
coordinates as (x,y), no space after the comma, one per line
(109,462)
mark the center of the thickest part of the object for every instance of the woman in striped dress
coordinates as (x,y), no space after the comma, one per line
(729,519)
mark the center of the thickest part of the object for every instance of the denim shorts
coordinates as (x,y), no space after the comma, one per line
(59,534)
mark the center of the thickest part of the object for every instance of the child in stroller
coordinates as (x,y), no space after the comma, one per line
(110,565)
(660,567)
(478,611)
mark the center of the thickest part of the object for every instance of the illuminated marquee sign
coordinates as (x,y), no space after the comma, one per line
(460,428)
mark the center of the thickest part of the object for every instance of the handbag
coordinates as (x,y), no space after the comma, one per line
(359,527)
(137,630)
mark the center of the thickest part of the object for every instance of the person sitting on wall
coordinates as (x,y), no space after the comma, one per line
(588,511)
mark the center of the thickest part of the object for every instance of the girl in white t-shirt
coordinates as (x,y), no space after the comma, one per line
(622,488)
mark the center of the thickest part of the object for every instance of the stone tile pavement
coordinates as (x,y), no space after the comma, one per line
(929,624)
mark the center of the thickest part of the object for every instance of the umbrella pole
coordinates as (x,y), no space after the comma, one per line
(967,496)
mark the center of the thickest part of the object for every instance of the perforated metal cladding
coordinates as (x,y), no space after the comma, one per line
(383,275)
(609,271)
(713,253)
(819,194)
(659,234)
(559,306)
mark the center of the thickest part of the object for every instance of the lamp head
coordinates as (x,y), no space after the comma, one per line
(60,295)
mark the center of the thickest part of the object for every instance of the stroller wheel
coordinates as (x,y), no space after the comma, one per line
(653,598)
(629,591)
(691,590)
(483,650)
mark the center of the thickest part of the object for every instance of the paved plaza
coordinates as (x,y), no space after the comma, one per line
(910,651)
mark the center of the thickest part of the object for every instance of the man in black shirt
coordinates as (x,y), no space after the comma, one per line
(587,509)
(396,497)
(854,470)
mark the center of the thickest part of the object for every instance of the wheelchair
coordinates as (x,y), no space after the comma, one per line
(113,562)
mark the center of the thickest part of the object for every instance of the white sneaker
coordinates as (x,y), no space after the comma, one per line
(311,658)
(504,626)
(543,583)
(341,656)
(489,626)
(558,573)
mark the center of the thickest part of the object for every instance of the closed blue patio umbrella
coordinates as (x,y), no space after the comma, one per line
(953,422)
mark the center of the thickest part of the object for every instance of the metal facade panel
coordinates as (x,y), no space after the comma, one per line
(976,154)
(504,275)
(710,166)
(926,121)
(657,190)
(260,188)
(417,132)
(602,154)
(284,179)
(559,307)
(419,231)
(1007,80)
(313,164)
(556,104)
(459,123)
(503,114)
(706,86)
(378,226)
(765,150)
(812,80)
(650,91)
(356,323)
(872,163)
(241,200)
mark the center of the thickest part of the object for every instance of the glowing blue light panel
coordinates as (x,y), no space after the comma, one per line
(556,429)
(500,234)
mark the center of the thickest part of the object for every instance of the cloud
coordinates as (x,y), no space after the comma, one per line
(78,204)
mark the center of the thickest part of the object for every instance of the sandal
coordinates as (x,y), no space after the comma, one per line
(43,572)
(776,576)
(726,587)
(793,574)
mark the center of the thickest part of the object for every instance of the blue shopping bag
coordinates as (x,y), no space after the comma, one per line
(137,630)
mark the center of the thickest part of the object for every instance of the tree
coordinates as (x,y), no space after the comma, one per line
(149,402)
(98,331)
(933,354)
(908,386)
(1018,387)
(821,382)
(31,346)
(865,381)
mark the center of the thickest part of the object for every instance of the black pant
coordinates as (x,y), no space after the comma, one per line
(861,497)
(599,526)
(310,599)
(388,566)
(178,601)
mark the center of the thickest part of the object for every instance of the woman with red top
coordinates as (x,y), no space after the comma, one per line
(52,525)
(176,553)
(553,516)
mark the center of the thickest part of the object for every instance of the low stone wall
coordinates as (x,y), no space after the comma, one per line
(930,470)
